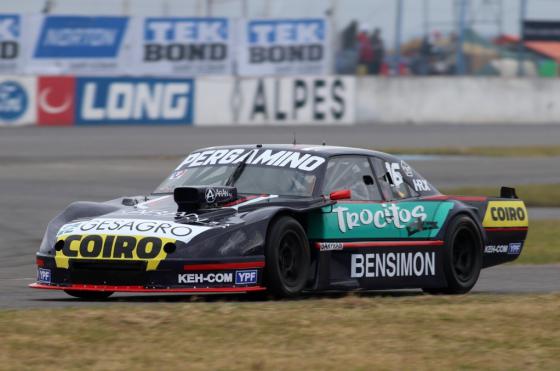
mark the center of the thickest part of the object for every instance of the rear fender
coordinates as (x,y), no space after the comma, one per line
(504,224)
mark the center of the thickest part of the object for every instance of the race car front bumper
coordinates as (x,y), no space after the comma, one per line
(200,276)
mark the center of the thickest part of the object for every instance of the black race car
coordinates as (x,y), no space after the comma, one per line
(282,218)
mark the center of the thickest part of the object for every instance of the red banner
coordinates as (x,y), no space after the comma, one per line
(56,100)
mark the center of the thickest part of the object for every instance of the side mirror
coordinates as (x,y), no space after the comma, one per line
(343,194)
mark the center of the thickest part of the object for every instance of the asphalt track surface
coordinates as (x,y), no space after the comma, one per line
(44,169)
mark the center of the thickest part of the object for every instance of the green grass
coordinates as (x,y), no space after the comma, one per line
(363,332)
(543,243)
(527,151)
(544,195)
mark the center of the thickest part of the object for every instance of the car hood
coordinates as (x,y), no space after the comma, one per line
(112,230)
(158,217)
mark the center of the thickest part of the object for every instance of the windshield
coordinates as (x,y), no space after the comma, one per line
(251,170)
(246,178)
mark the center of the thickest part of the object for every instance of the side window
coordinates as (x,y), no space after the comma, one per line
(391,180)
(353,173)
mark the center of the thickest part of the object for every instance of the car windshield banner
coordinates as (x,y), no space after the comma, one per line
(283,46)
(78,44)
(183,46)
(10,43)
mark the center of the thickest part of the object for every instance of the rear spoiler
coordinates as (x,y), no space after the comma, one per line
(508,192)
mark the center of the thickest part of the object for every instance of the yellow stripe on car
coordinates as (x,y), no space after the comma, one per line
(110,247)
(505,214)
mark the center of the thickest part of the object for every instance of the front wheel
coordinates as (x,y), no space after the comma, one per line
(462,257)
(287,258)
(89,295)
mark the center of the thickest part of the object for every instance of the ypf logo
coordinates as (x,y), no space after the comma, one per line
(55,100)
(13,101)
(210,195)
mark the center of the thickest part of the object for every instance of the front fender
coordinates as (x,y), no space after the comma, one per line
(266,215)
(74,211)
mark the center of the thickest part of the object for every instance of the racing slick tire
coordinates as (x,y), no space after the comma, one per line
(462,260)
(287,258)
(89,295)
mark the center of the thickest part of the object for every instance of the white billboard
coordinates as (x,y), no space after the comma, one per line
(12,47)
(277,101)
(183,46)
(283,47)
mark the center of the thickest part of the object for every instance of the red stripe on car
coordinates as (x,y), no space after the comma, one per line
(145,289)
(458,198)
(241,200)
(349,245)
(223,266)
(245,199)
(507,229)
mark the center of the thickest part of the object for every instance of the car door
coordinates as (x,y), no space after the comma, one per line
(349,219)
(380,236)
(406,211)
(383,203)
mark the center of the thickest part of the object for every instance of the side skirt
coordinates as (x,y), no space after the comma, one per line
(379,265)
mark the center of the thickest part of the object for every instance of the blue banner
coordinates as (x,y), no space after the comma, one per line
(286,31)
(10,27)
(14,100)
(80,37)
(127,100)
(186,30)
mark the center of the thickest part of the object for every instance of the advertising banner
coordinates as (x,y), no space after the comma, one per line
(17,101)
(11,48)
(183,46)
(287,100)
(134,100)
(56,100)
(78,45)
(283,46)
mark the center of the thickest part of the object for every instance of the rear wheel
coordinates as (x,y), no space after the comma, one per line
(287,258)
(89,295)
(462,257)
